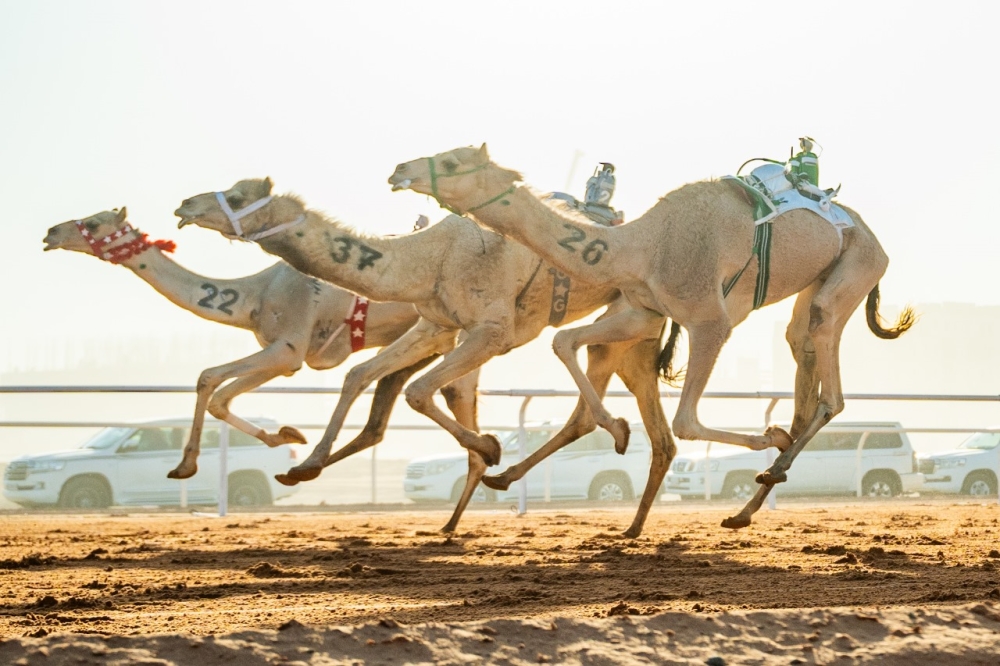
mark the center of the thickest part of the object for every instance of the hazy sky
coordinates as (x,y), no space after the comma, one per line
(105,104)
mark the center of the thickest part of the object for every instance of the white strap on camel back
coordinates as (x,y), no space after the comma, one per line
(236,216)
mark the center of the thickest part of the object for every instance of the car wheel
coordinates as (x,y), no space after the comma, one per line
(481,495)
(739,486)
(85,493)
(880,484)
(980,483)
(610,487)
(249,491)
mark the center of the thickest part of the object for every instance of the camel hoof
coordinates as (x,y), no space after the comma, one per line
(448,529)
(290,435)
(769,478)
(632,532)
(736,522)
(285,480)
(304,473)
(620,431)
(780,439)
(495,449)
(498,482)
(180,473)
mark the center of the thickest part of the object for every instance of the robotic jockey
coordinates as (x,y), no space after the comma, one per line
(803,171)
(600,189)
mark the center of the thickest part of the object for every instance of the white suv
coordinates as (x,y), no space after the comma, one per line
(827,465)
(970,469)
(129,465)
(589,468)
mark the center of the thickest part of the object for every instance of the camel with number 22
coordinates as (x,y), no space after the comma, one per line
(461,278)
(674,261)
(297,319)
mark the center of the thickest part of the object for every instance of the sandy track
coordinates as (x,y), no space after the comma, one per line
(140,574)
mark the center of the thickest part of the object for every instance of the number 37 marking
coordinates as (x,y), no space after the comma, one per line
(593,252)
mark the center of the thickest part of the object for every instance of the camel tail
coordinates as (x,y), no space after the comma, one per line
(875,322)
(666,361)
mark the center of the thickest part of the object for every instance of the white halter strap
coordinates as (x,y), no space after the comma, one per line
(235,217)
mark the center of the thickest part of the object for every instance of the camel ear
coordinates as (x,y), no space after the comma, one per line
(268,185)
(484,154)
(122,214)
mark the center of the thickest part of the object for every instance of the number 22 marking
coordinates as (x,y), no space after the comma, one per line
(230,297)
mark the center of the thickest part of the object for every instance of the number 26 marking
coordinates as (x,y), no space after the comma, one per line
(593,252)
(230,297)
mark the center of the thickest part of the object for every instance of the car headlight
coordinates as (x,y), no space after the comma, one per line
(712,466)
(948,463)
(438,467)
(39,466)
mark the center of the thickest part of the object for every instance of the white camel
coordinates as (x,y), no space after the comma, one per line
(295,318)
(461,278)
(680,260)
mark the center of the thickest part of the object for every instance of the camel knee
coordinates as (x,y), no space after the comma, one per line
(218,408)
(418,397)
(564,344)
(208,381)
(686,428)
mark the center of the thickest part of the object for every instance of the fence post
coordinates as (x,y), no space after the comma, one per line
(708,471)
(522,451)
(184,493)
(857,462)
(374,476)
(772,499)
(223,468)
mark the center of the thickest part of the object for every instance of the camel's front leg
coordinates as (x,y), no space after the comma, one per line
(272,361)
(420,342)
(386,391)
(602,360)
(628,325)
(706,341)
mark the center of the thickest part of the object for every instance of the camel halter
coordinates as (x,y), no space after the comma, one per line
(121,253)
(437,197)
(235,217)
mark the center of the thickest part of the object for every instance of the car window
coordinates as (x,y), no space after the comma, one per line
(105,438)
(883,440)
(145,440)
(834,441)
(983,441)
(536,438)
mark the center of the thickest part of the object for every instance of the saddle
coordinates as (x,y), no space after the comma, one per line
(598,213)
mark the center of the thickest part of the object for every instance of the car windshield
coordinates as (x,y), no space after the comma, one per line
(105,438)
(982,441)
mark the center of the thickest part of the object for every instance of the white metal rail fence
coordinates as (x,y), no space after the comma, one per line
(526,396)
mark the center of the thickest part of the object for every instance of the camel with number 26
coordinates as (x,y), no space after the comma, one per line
(675,261)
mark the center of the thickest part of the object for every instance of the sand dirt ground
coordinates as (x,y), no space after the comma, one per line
(901,582)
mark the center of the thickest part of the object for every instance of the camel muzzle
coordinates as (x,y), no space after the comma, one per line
(401,185)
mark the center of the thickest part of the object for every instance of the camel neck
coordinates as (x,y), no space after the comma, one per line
(579,249)
(378,268)
(224,301)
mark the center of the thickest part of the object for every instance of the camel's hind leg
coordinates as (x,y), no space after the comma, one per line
(629,325)
(274,360)
(420,342)
(840,295)
(639,372)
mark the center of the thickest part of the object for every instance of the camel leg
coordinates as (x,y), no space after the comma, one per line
(383,402)
(483,343)
(706,340)
(629,325)
(601,363)
(421,341)
(274,360)
(218,406)
(639,372)
(841,294)
(477,467)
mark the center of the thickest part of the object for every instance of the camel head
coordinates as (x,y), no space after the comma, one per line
(206,210)
(69,236)
(458,178)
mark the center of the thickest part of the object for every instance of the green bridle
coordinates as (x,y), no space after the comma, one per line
(434,190)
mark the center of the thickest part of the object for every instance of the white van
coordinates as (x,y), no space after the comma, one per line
(589,468)
(129,465)
(827,465)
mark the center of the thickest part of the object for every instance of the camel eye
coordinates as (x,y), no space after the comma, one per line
(235,200)
(449,166)
(91,226)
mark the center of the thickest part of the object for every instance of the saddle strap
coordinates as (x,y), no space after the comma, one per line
(761,250)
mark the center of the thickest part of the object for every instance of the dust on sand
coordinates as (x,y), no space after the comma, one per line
(865,582)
